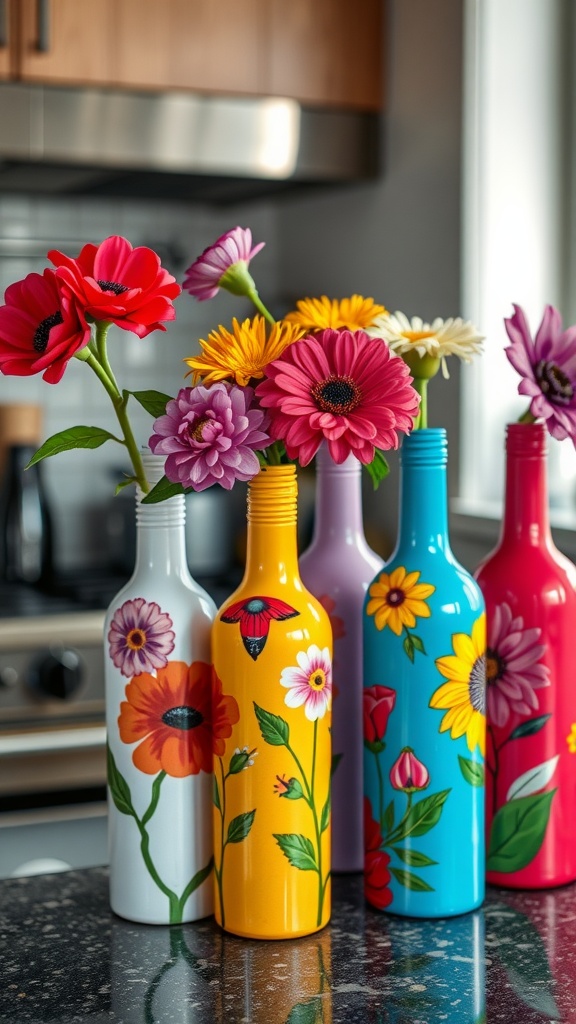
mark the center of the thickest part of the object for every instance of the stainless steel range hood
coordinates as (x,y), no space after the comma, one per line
(175,145)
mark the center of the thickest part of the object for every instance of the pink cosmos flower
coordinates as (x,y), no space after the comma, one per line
(40,328)
(408,773)
(341,386)
(513,668)
(115,282)
(209,436)
(232,250)
(141,637)
(309,684)
(547,366)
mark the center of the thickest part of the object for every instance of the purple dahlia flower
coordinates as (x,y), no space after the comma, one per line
(210,436)
(547,365)
(140,637)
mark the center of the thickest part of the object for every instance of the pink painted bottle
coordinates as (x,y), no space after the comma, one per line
(530,595)
(336,569)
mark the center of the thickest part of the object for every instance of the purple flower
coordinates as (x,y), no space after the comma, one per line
(210,435)
(228,257)
(141,637)
(547,366)
(513,666)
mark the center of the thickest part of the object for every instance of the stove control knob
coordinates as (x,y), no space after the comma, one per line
(56,673)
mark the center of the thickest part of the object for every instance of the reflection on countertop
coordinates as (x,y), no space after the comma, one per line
(65,957)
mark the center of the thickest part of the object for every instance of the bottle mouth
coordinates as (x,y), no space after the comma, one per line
(426,447)
(273,495)
(527,439)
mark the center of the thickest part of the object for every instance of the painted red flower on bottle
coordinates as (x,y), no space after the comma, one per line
(376,874)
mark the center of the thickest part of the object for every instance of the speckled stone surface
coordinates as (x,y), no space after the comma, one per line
(64,957)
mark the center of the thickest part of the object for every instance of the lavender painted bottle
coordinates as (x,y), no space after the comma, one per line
(337,569)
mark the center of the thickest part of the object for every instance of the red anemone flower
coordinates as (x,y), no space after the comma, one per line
(115,282)
(40,328)
(254,616)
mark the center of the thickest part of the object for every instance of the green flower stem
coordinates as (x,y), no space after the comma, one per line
(421,386)
(155,797)
(99,364)
(219,872)
(255,298)
(309,798)
(527,417)
(194,884)
(145,849)
(380,788)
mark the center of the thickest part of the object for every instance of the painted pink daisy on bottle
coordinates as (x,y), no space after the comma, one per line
(141,637)
(309,684)
(514,669)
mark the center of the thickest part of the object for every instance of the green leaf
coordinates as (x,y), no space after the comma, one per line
(413,858)
(336,758)
(153,401)
(119,788)
(216,795)
(422,816)
(387,823)
(530,727)
(74,437)
(306,1013)
(472,771)
(299,851)
(517,832)
(410,881)
(274,729)
(409,646)
(418,643)
(325,819)
(378,468)
(240,826)
(162,490)
(124,483)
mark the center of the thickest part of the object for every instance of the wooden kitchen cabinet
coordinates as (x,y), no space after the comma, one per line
(322,52)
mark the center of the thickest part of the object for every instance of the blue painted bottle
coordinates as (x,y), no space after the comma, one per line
(424,707)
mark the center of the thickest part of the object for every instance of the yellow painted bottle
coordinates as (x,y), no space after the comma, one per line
(272,652)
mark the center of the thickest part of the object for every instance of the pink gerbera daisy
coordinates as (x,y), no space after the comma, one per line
(141,637)
(310,682)
(210,436)
(41,328)
(547,365)
(513,666)
(341,386)
(227,258)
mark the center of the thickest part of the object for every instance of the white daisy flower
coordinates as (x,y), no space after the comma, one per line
(441,338)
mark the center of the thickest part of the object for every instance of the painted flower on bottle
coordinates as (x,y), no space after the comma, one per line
(141,637)
(309,684)
(463,696)
(176,719)
(514,670)
(396,600)
(377,877)
(408,773)
(377,704)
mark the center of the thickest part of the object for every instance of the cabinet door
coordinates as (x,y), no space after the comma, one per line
(208,45)
(66,41)
(7,35)
(326,52)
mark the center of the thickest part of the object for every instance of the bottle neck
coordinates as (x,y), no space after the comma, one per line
(272,548)
(423,491)
(526,516)
(160,534)
(338,513)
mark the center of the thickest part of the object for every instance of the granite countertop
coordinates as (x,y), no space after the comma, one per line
(65,957)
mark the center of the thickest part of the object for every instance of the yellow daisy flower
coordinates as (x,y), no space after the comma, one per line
(242,353)
(355,313)
(464,695)
(441,338)
(571,739)
(397,599)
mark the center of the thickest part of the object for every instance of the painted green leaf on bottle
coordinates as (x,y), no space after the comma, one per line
(325,818)
(216,795)
(413,858)
(472,771)
(530,727)
(306,1013)
(240,826)
(422,816)
(275,730)
(298,849)
(119,788)
(517,832)
(533,780)
(410,881)
(387,823)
